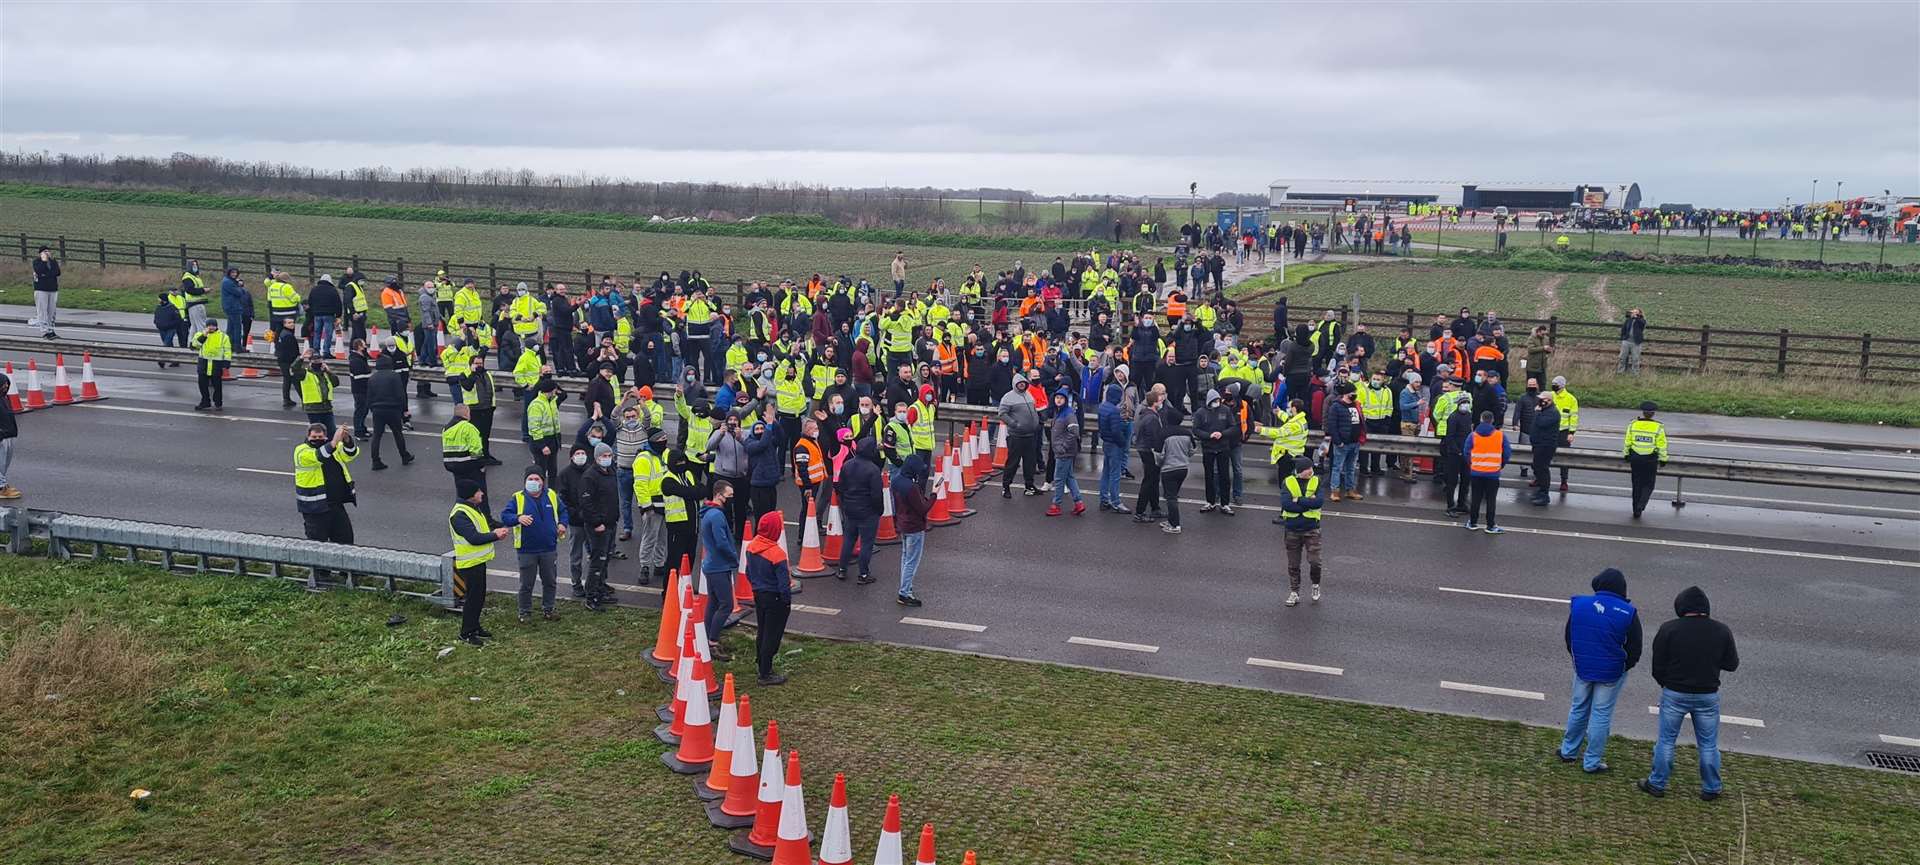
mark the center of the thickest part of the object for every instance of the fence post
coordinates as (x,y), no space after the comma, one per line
(103,253)
(266,260)
(493,275)
(400,270)
(1346,313)
(540,277)
(1780,360)
(1706,332)
(23,247)
(355,263)
(63,247)
(1553,330)
(183,256)
(311,272)
(586,278)
(143,258)
(446,269)
(225,263)
(1409,317)
(1866,354)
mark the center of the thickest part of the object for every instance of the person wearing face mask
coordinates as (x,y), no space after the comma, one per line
(765,464)
(1376,411)
(569,483)
(1065,444)
(473,536)
(322,485)
(538,520)
(629,439)
(731,463)
(896,440)
(719,558)
(600,516)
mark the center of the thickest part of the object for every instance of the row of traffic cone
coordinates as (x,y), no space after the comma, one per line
(36,394)
(762,801)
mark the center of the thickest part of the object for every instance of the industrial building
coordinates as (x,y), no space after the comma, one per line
(1451,193)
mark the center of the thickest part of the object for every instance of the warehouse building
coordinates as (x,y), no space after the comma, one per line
(1448,193)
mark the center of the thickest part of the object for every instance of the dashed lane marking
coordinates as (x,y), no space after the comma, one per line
(1735,720)
(936,623)
(1502,595)
(1902,741)
(1489,689)
(1296,667)
(1113,644)
(818,611)
(262,471)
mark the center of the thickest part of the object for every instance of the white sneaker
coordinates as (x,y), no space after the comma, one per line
(1316,593)
(1293,599)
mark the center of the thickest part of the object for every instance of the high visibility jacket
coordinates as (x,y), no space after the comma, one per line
(789,392)
(316,391)
(1488,352)
(1376,403)
(896,439)
(1290,438)
(461,447)
(1562,241)
(282,298)
(467,555)
(676,506)
(899,333)
(698,311)
(477,391)
(652,415)
(1176,308)
(403,344)
(526,369)
(310,480)
(1324,335)
(1645,437)
(809,464)
(467,308)
(1485,453)
(526,311)
(921,432)
(1443,408)
(822,376)
(1206,316)
(795,303)
(699,428)
(737,356)
(455,358)
(192,281)
(213,347)
(392,299)
(949,359)
(179,302)
(970,291)
(356,298)
(648,470)
(1569,408)
(543,417)
(1293,488)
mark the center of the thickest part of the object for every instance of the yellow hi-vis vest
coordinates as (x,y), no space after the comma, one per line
(1293,488)
(467,555)
(520,507)
(648,471)
(676,505)
(1645,437)
(1290,440)
(921,432)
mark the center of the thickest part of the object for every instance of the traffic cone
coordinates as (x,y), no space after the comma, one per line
(742,591)
(925,856)
(736,810)
(887,852)
(1000,449)
(373,341)
(13,396)
(984,452)
(969,859)
(721,774)
(676,724)
(836,839)
(89,389)
(758,842)
(665,646)
(886,533)
(696,745)
(968,481)
(836,533)
(62,391)
(36,397)
(794,845)
(942,513)
(810,564)
(671,673)
(246,347)
(956,491)
(703,649)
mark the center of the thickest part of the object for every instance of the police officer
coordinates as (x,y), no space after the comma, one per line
(473,536)
(1645,450)
(1300,509)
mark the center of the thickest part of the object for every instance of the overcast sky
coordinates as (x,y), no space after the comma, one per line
(1731,104)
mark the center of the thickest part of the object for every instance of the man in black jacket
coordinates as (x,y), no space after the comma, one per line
(861,502)
(386,399)
(1689,654)
(46,292)
(600,507)
(1633,333)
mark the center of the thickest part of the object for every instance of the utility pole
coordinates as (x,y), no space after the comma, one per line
(1193,192)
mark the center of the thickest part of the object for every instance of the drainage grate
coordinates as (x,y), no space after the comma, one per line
(1896,762)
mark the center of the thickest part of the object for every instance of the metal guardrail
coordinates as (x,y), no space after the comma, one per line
(320,565)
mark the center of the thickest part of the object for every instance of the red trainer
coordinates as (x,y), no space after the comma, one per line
(1079,508)
(1053,511)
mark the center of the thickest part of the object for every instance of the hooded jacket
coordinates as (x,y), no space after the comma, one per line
(1603,630)
(767,557)
(1016,410)
(860,488)
(764,461)
(910,502)
(324,299)
(1214,417)
(1066,426)
(717,552)
(1691,651)
(1115,430)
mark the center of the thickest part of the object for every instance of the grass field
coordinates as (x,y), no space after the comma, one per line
(280,727)
(1851,250)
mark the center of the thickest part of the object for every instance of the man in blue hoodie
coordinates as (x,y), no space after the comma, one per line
(719,558)
(539,520)
(1603,638)
(237,303)
(1115,432)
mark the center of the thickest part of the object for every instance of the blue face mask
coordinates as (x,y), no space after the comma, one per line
(533,487)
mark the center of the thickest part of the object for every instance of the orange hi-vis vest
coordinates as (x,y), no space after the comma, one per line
(949,360)
(1484,452)
(1176,306)
(809,465)
(1488,351)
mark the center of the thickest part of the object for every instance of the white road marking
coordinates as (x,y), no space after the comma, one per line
(262,471)
(1296,667)
(1502,595)
(818,611)
(1489,689)
(1735,720)
(647,590)
(1746,500)
(936,623)
(1113,644)
(1902,741)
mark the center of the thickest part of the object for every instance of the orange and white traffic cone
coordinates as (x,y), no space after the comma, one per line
(887,533)
(942,512)
(62,391)
(89,389)
(736,810)
(720,775)
(759,842)
(810,564)
(373,341)
(1000,449)
(703,649)
(969,482)
(666,645)
(246,347)
(36,396)
(984,452)
(696,744)
(676,723)
(887,852)
(956,491)
(795,844)
(13,395)
(742,591)
(925,856)
(836,533)
(836,838)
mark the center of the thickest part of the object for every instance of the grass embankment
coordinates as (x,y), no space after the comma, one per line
(1852,250)
(275,726)
(1824,398)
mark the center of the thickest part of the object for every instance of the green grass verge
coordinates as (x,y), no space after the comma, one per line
(1834,399)
(1847,251)
(277,727)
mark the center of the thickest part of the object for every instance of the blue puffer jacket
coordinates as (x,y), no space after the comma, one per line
(1603,630)
(764,463)
(1114,430)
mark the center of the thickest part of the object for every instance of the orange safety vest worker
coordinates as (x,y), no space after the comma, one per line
(1176,306)
(809,465)
(949,360)
(1488,351)
(1485,452)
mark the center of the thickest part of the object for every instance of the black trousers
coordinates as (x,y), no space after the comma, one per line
(860,532)
(470,588)
(389,419)
(360,411)
(1451,472)
(599,551)
(770,611)
(764,500)
(1021,453)
(1149,500)
(331,525)
(212,391)
(1217,475)
(1542,464)
(681,543)
(1170,482)
(1646,469)
(286,383)
(483,421)
(1486,490)
(549,460)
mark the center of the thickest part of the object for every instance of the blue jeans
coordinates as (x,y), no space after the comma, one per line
(1064,480)
(1115,462)
(237,329)
(322,341)
(1239,477)
(911,545)
(1705,709)
(626,499)
(1590,716)
(1345,459)
(719,602)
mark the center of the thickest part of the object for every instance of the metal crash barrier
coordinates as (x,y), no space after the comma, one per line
(317,565)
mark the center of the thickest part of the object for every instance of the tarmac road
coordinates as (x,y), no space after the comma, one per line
(1419,613)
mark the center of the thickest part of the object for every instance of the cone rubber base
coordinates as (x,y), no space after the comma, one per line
(664,713)
(888,542)
(737,619)
(949,521)
(664,733)
(722,820)
(664,676)
(654,662)
(684,768)
(706,793)
(963,513)
(802,575)
(738,843)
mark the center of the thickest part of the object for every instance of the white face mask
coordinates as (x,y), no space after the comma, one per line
(605,462)
(579,459)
